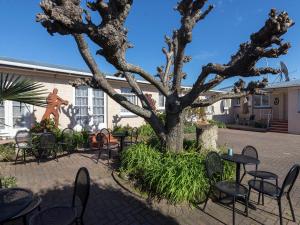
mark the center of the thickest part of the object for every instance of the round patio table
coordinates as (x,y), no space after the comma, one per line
(13,201)
(239,159)
(121,136)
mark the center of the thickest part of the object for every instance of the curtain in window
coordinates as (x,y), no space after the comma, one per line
(98,106)
(81,104)
(19,112)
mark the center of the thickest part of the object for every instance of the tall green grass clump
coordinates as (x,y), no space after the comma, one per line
(175,177)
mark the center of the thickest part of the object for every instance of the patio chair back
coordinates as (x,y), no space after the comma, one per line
(102,139)
(67,136)
(47,141)
(290,179)
(250,151)
(214,166)
(106,132)
(134,135)
(81,191)
(23,138)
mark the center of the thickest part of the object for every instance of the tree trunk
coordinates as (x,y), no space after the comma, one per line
(174,132)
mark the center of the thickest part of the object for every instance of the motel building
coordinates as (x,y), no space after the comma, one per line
(93,110)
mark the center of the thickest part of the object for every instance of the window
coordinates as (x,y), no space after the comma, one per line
(261,100)
(81,103)
(161,100)
(19,112)
(98,106)
(126,92)
(227,103)
(210,110)
(2,116)
(236,102)
(299,101)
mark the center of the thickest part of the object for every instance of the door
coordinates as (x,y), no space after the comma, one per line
(277,106)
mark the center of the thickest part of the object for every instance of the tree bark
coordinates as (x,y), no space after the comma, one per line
(174,132)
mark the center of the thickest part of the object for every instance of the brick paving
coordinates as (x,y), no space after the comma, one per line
(111,205)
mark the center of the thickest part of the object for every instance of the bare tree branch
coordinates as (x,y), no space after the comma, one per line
(244,61)
(190,11)
(239,91)
(99,81)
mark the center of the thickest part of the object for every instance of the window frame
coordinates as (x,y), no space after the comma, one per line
(237,102)
(261,105)
(22,106)
(79,117)
(2,126)
(126,92)
(98,106)
(160,95)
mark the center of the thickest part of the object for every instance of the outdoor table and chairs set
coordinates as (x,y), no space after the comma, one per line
(45,145)
(264,182)
(16,203)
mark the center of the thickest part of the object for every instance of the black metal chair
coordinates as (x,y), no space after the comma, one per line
(35,204)
(68,215)
(214,169)
(257,174)
(275,192)
(134,133)
(104,143)
(67,143)
(23,143)
(47,146)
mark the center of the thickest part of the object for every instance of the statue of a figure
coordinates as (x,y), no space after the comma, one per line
(53,105)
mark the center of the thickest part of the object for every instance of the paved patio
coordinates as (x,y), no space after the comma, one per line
(109,204)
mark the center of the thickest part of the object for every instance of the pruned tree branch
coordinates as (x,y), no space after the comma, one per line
(99,81)
(65,17)
(190,11)
(239,91)
(243,63)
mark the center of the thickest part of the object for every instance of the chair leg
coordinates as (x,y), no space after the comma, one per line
(24,219)
(280,211)
(291,207)
(233,211)
(258,200)
(24,156)
(99,154)
(207,197)
(17,156)
(247,204)
(243,176)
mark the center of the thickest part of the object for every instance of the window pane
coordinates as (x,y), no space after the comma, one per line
(161,102)
(19,112)
(257,100)
(265,100)
(81,103)
(127,93)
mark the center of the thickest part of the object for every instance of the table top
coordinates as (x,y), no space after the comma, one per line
(13,201)
(241,159)
(54,216)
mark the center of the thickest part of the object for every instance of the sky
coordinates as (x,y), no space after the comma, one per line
(215,39)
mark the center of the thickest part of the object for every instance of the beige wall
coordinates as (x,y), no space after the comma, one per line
(114,115)
(67,92)
(293,113)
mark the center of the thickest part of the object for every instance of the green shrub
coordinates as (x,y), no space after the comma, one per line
(189,128)
(175,177)
(146,130)
(8,182)
(220,124)
(7,152)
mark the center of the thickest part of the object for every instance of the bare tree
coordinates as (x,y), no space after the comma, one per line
(70,17)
